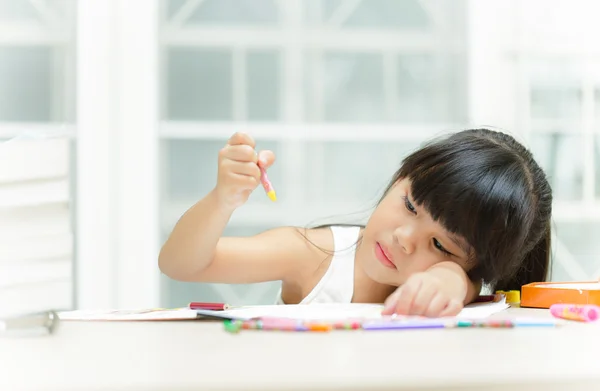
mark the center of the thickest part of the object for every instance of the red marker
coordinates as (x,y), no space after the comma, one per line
(484,298)
(208,306)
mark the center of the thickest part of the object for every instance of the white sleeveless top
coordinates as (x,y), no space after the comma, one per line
(337,285)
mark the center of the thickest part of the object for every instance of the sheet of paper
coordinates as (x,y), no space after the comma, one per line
(130,314)
(308,311)
(482,310)
(301,311)
(346,311)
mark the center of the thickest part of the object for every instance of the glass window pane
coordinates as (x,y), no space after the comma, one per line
(556,103)
(236,12)
(191,170)
(263,85)
(27,90)
(405,14)
(597,109)
(597,164)
(396,14)
(430,88)
(199,84)
(352,88)
(558,272)
(597,141)
(25,11)
(176,294)
(577,251)
(555,89)
(172,6)
(355,172)
(17,10)
(561,158)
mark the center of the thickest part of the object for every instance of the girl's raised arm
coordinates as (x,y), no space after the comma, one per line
(196,250)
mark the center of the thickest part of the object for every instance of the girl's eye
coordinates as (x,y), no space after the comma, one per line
(439,246)
(409,206)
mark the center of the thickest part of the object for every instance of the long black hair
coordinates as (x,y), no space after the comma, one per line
(486,187)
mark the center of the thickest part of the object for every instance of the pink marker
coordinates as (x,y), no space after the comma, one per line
(264,179)
(580,312)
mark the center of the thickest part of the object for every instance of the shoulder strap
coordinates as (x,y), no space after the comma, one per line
(337,285)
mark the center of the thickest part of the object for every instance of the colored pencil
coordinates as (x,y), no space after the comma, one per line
(405,325)
(276,324)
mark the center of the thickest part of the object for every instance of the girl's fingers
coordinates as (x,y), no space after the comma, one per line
(452,308)
(241,139)
(389,306)
(437,304)
(266,159)
(245,182)
(248,169)
(422,300)
(239,153)
(403,300)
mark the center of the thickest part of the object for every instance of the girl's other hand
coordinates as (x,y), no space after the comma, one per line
(422,295)
(238,172)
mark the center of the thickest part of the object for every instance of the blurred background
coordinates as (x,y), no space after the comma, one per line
(115,111)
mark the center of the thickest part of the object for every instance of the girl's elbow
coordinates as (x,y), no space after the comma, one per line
(178,267)
(164,264)
(168,265)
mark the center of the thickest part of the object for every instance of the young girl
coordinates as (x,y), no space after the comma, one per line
(469,208)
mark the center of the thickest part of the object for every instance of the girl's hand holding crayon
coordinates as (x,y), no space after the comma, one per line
(422,294)
(239,171)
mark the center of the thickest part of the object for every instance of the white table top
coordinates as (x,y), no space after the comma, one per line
(194,355)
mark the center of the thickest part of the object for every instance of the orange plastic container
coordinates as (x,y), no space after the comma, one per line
(544,294)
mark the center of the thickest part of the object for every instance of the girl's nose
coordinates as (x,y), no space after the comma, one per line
(404,237)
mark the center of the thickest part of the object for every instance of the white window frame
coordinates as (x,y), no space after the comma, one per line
(293,128)
(117,116)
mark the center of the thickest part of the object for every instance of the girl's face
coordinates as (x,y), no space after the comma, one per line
(401,239)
